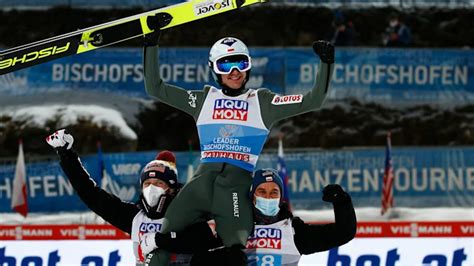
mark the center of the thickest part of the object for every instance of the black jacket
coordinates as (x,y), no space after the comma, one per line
(121,213)
(311,238)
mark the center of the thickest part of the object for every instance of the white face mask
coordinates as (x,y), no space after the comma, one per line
(393,23)
(268,207)
(152,194)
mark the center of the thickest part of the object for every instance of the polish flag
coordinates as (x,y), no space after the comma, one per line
(19,195)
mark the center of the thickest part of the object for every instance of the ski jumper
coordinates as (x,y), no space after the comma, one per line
(127,216)
(283,241)
(232,131)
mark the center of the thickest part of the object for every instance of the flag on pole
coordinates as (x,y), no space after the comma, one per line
(104,182)
(282,171)
(387,186)
(19,201)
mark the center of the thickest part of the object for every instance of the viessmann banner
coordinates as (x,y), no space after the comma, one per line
(360,251)
(376,243)
(367,74)
(429,177)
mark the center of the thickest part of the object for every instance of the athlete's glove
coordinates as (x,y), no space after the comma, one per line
(60,140)
(148,243)
(325,51)
(155,23)
(334,193)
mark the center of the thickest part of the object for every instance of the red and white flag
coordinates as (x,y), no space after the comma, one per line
(20,194)
(387,186)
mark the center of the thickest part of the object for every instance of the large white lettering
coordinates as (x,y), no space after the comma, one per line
(392,74)
(126,169)
(364,180)
(186,72)
(114,73)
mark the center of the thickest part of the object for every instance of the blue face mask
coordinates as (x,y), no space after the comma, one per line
(268,207)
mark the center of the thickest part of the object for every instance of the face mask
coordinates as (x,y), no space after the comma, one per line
(393,23)
(268,207)
(152,194)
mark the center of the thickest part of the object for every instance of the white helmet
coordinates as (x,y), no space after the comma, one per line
(228,47)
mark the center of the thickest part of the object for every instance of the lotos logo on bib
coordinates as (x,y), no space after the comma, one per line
(287,99)
(230,109)
(265,238)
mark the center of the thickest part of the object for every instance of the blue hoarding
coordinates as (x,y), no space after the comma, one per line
(424,177)
(366,74)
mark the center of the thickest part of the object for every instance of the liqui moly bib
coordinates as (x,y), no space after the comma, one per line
(141,225)
(272,244)
(231,129)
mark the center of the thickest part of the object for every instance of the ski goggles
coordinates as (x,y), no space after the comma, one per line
(226,64)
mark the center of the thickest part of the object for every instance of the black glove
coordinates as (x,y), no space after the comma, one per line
(334,193)
(325,51)
(155,23)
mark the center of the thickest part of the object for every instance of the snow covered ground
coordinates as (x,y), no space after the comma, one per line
(69,114)
(363,214)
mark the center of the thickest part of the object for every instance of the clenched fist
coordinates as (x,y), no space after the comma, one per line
(325,51)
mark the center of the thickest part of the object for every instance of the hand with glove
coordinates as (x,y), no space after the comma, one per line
(325,51)
(334,193)
(155,23)
(147,243)
(60,140)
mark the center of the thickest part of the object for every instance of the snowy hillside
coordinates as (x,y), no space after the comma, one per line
(70,114)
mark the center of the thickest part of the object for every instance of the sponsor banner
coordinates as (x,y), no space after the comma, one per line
(360,251)
(49,190)
(423,177)
(415,229)
(367,74)
(408,229)
(120,70)
(67,252)
(61,232)
(389,75)
(397,251)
